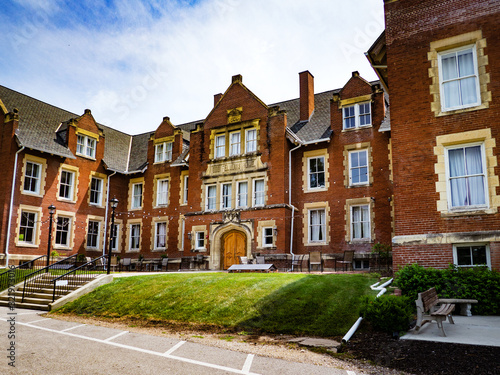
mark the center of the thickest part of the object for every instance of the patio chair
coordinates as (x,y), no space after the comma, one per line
(346,260)
(260,259)
(127,262)
(297,262)
(164,263)
(114,263)
(315,259)
(244,260)
(200,261)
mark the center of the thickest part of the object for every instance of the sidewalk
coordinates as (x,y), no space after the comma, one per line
(471,330)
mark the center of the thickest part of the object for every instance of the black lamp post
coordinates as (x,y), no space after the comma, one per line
(114,203)
(52,209)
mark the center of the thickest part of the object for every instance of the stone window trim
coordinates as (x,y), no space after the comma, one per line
(474,39)
(132,183)
(119,235)
(347,170)
(71,232)
(348,223)
(104,183)
(225,132)
(74,183)
(198,232)
(226,196)
(100,238)
(130,223)
(156,180)
(184,183)
(305,170)
(154,232)
(37,211)
(261,226)
(443,143)
(42,174)
(487,254)
(305,223)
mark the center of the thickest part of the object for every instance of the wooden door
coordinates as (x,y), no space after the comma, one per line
(234,246)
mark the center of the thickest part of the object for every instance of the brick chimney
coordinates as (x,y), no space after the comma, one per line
(217,97)
(306,95)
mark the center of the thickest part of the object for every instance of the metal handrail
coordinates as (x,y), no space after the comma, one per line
(6,280)
(84,272)
(31,279)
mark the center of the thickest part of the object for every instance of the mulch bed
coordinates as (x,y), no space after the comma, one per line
(424,357)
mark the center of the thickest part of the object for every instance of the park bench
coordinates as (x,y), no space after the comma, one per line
(429,308)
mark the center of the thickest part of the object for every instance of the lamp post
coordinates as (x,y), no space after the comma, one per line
(114,203)
(52,209)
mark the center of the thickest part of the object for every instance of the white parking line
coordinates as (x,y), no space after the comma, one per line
(248,364)
(39,320)
(123,346)
(115,336)
(351,373)
(70,328)
(174,348)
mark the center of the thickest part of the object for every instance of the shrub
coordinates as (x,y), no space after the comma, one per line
(387,313)
(454,282)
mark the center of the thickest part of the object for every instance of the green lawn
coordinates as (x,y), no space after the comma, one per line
(322,305)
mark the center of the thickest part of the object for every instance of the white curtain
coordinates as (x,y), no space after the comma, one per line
(466,176)
(243,194)
(317,225)
(459,79)
(161,234)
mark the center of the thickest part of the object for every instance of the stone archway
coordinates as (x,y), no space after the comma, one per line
(235,236)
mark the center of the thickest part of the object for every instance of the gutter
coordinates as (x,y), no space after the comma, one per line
(106,214)
(14,175)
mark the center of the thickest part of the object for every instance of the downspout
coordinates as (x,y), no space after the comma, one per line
(14,174)
(106,214)
(290,198)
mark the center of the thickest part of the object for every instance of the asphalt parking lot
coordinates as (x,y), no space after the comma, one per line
(39,345)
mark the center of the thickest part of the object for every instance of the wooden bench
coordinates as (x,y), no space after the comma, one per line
(430,308)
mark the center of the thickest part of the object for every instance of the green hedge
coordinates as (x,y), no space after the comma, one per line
(478,283)
(387,313)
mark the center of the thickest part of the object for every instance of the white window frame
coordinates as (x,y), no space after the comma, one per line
(220,148)
(68,187)
(357,115)
(250,142)
(159,236)
(66,230)
(484,174)
(135,236)
(32,177)
(226,194)
(85,146)
(322,224)
(267,233)
(33,228)
(241,196)
(367,236)
(359,167)
(235,143)
(98,192)
(114,236)
(310,173)
(161,195)
(211,200)
(97,235)
(199,240)
(185,191)
(261,194)
(455,254)
(137,198)
(441,54)
(163,152)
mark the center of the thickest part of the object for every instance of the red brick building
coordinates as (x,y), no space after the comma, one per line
(438,60)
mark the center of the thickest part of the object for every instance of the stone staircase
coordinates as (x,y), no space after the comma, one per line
(42,297)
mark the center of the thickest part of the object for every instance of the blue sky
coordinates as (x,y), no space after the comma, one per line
(132,62)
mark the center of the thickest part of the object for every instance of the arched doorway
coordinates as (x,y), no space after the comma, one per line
(234,246)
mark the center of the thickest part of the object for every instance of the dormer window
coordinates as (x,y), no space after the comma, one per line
(357,115)
(163,152)
(85,146)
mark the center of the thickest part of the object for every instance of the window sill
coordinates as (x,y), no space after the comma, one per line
(357,128)
(86,157)
(66,200)
(359,185)
(132,251)
(315,190)
(316,244)
(61,247)
(96,205)
(471,212)
(32,194)
(159,249)
(29,245)
(92,249)
(449,112)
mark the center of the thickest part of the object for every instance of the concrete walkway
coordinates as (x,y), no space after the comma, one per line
(471,330)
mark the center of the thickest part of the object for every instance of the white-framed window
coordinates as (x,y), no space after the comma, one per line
(63,231)
(163,152)
(199,241)
(251,140)
(226,194)
(96,191)
(27,227)
(185,191)
(258,192)
(357,115)
(115,229)
(235,143)
(135,236)
(317,225)
(471,255)
(137,195)
(93,234)
(458,78)
(242,188)
(361,264)
(161,235)
(211,197)
(267,236)
(32,177)
(358,167)
(220,146)
(162,192)
(360,222)
(316,172)
(467,185)
(85,146)
(66,184)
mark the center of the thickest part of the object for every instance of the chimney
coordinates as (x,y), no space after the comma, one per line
(217,97)
(306,95)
